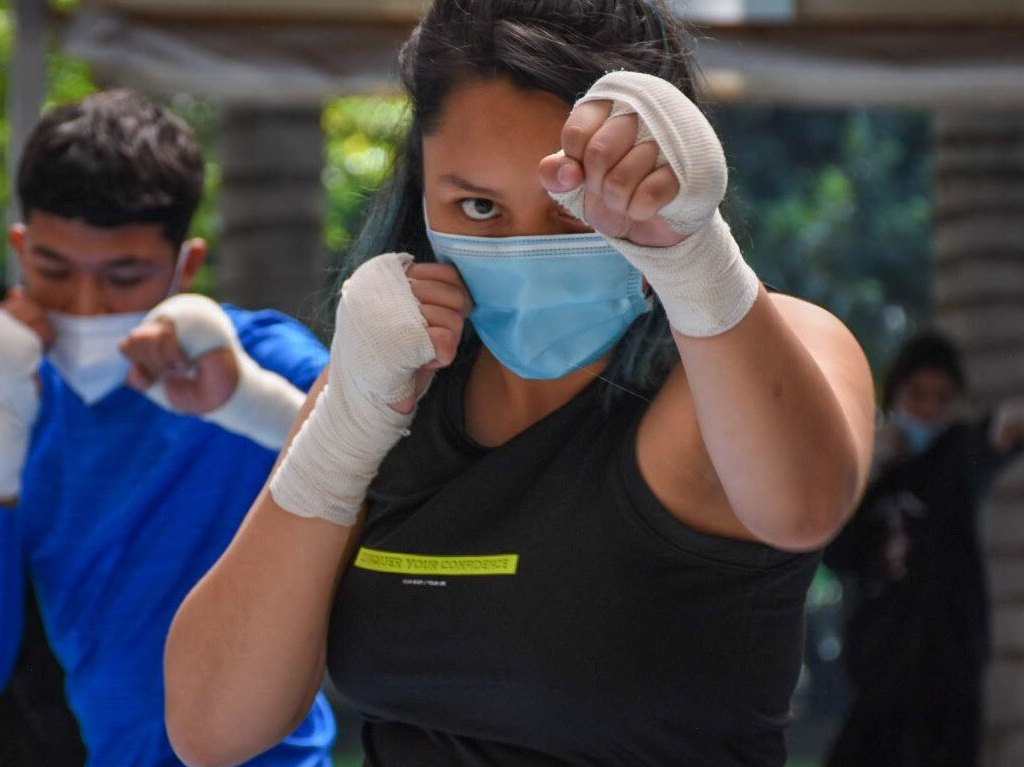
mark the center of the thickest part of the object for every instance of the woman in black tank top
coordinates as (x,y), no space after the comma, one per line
(589,541)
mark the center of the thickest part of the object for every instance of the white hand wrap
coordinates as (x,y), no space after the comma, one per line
(21,352)
(1007,428)
(703,282)
(264,404)
(380,341)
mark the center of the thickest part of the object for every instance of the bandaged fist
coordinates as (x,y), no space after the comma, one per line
(187,358)
(641,164)
(639,161)
(445,304)
(395,325)
(196,382)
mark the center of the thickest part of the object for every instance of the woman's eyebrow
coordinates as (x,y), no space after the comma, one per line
(458,181)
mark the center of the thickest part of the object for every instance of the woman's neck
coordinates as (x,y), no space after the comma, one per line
(499,404)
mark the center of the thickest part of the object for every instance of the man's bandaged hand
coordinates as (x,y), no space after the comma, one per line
(643,166)
(187,358)
(21,352)
(381,341)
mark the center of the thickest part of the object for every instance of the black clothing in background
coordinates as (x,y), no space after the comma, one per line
(917,638)
(37,728)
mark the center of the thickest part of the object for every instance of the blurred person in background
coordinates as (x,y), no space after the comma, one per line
(137,424)
(917,637)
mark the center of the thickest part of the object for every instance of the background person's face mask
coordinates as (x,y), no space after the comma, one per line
(919,434)
(86,352)
(545,305)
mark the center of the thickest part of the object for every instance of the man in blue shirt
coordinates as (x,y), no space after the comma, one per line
(137,423)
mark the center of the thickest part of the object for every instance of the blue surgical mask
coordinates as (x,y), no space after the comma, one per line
(548,304)
(919,434)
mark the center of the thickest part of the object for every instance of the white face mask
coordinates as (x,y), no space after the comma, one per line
(86,351)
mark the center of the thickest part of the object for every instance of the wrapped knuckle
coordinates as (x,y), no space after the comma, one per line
(658,191)
(619,182)
(574,134)
(598,152)
(381,326)
(197,322)
(374,322)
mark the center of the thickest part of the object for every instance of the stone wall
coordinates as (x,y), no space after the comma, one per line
(979,299)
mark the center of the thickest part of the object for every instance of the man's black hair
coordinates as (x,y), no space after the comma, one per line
(111,159)
(927,350)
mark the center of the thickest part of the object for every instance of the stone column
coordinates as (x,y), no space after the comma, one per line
(26,90)
(979,299)
(271,253)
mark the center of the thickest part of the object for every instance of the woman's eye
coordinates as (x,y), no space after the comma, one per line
(478,208)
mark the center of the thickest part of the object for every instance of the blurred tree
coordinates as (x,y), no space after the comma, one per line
(362,136)
(835,207)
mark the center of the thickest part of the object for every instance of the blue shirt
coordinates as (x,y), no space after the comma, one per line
(124,507)
(12,591)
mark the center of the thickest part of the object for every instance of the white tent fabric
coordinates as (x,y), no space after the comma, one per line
(270,65)
(812,77)
(295,63)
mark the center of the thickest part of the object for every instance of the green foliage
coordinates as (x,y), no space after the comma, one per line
(835,207)
(362,134)
(69,79)
(6,32)
(202,117)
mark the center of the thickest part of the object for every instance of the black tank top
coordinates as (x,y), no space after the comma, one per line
(534,604)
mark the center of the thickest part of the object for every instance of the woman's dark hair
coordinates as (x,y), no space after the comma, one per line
(111,159)
(558,46)
(929,350)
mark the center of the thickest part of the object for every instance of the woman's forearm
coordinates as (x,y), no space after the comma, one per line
(245,654)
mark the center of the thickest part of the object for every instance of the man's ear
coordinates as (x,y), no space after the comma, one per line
(195,251)
(16,236)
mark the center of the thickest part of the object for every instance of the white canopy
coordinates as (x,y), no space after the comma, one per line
(821,63)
